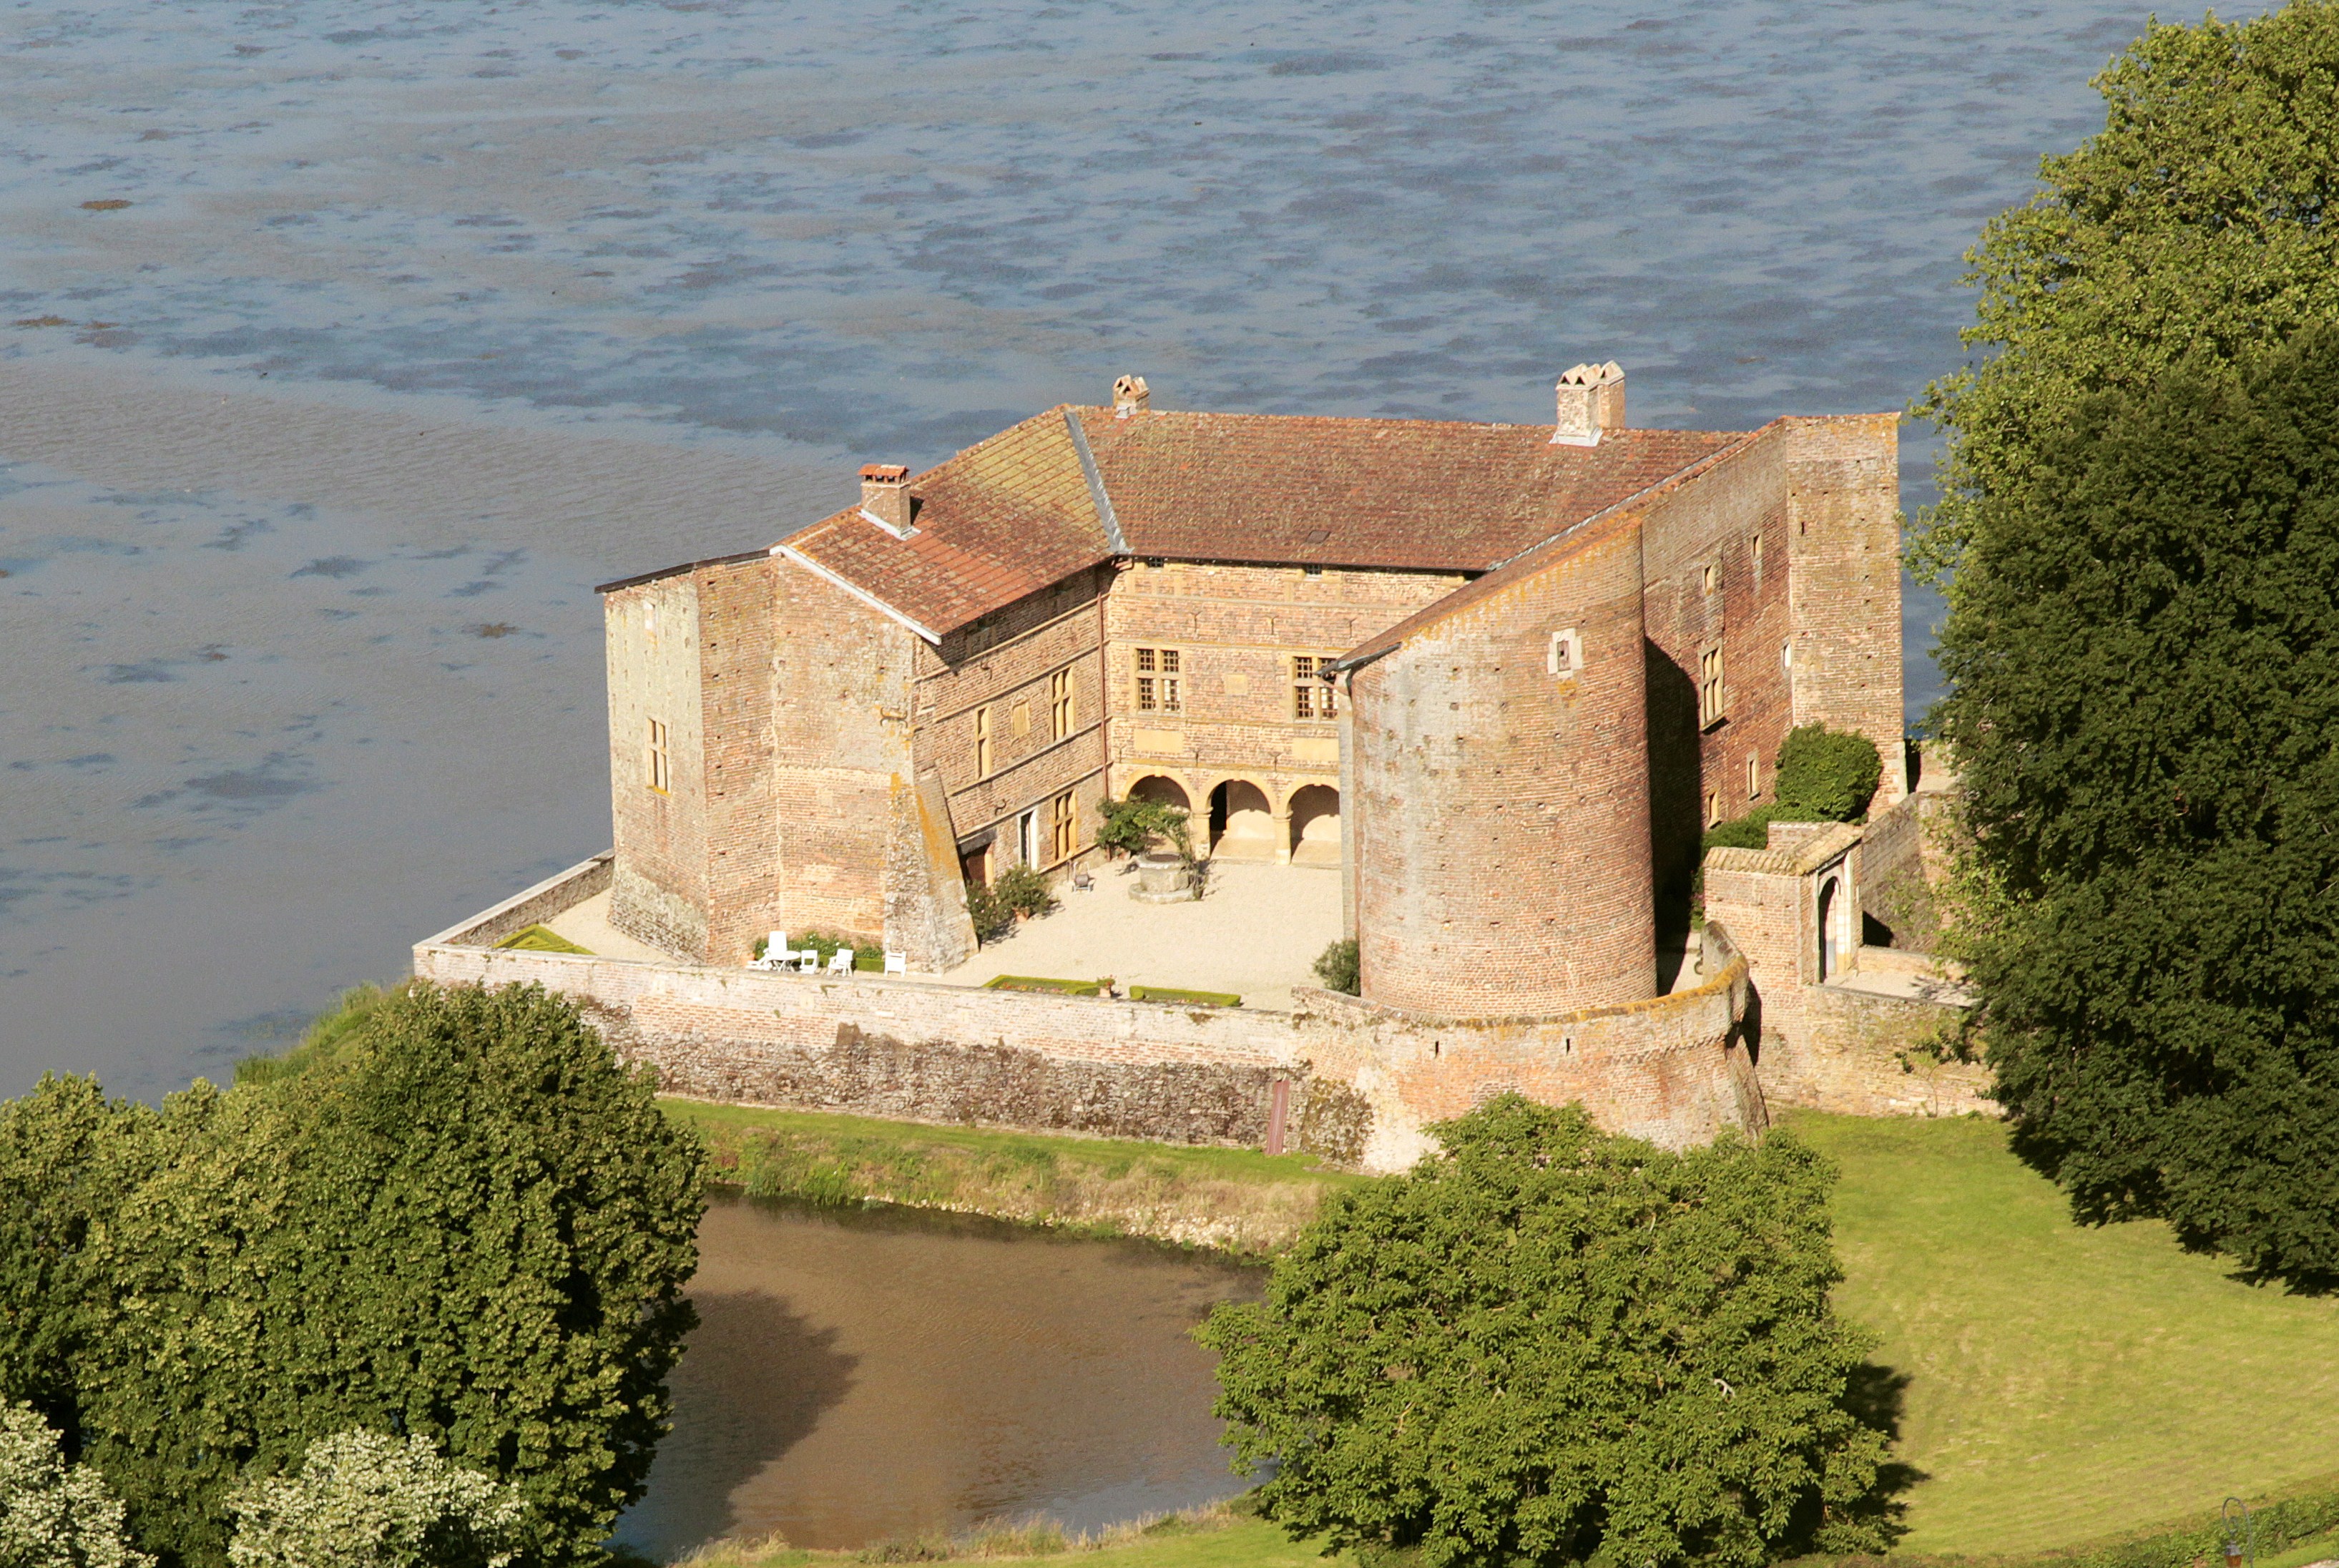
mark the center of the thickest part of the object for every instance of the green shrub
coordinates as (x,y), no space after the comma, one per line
(1336,967)
(991,919)
(54,1514)
(1132,826)
(867,953)
(1041,983)
(1023,891)
(1195,998)
(362,1500)
(1550,1345)
(1825,776)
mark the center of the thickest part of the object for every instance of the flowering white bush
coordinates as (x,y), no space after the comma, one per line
(363,1500)
(54,1514)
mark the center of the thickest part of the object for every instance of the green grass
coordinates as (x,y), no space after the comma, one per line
(541,939)
(1240,1199)
(1169,993)
(1210,1538)
(2065,1384)
(1043,983)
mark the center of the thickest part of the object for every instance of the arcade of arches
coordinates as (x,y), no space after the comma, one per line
(1241,820)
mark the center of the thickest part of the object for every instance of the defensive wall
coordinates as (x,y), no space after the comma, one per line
(1361,1080)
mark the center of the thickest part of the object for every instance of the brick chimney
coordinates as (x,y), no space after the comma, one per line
(1591,403)
(1130,396)
(885,497)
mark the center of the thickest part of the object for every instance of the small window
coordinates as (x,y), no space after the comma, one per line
(1709,687)
(1312,694)
(1754,549)
(1160,676)
(1712,808)
(983,742)
(1565,654)
(1713,576)
(1063,828)
(1020,717)
(661,761)
(1753,775)
(1059,704)
(1786,656)
(1311,571)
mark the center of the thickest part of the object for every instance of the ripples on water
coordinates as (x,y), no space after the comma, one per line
(424,318)
(858,1375)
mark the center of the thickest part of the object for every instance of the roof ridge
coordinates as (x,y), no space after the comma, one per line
(1097,496)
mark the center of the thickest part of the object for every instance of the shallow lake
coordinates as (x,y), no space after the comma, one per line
(858,1374)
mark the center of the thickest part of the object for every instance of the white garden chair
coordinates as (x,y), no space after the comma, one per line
(775,952)
(897,963)
(841,962)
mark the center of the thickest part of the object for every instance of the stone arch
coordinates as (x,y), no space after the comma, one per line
(1163,789)
(1832,907)
(1315,813)
(1242,822)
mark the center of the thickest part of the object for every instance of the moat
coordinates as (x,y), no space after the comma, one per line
(859,1374)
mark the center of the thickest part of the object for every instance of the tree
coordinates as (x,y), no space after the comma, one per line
(54,1514)
(1825,776)
(2141,658)
(1134,826)
(363,1500)
(2195,229)
(1549,1345)
(466,1223)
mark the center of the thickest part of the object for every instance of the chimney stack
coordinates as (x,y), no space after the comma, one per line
(885,497)
(1130,396)
(1591,403)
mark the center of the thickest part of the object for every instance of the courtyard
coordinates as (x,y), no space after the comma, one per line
(1256,932)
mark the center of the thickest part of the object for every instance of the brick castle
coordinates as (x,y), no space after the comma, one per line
(1501,674)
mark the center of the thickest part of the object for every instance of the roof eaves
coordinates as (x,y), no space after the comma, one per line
(836,579)
(639,578)
(1429,615)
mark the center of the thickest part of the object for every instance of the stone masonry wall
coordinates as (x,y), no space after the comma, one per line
(652,646)
(1236,628)
(1367,1081)
(1001,671)
(1715,567)
(1504,863)
(1843,498)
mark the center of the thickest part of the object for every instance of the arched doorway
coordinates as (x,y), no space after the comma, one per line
(1162,790)
(1831,955)
(1242,825)
(1315,825)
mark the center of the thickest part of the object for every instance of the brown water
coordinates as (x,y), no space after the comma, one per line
(864,1373)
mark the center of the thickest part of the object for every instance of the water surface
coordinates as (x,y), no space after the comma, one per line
(423,318)
(864,1373)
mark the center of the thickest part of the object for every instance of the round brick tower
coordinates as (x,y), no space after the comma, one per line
(1501,770)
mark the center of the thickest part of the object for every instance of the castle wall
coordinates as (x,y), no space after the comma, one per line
(1367,1082)
(1504,863)
(1237,629)
(1843,499)
(1001,670)
(1716,565)
(652,646)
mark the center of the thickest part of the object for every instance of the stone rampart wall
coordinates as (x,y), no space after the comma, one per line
(527,908)
(1367,1081)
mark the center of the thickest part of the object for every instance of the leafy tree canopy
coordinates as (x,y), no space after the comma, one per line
(54,1514)
(365,1501)
(1550,1345)
(465,1222)
(2196,228)
(1825,776)
(2143,667)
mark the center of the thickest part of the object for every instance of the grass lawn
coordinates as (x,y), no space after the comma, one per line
(2064,1383)
(1219,1543)
(1235,1198)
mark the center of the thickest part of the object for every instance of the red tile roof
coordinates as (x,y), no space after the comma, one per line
(1014,514)
(1428,494)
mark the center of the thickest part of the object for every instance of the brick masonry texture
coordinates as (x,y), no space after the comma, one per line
(835,734)
(1368,1080)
